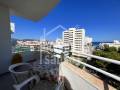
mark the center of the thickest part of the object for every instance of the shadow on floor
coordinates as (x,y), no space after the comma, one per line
(6,82)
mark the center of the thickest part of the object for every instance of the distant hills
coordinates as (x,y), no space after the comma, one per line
(14,41)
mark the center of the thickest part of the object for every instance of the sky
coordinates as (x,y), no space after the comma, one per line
(100,19)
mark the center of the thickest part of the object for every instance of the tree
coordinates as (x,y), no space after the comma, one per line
(112,53)
(119,50)
(111,49)
(97,63)
(106,47)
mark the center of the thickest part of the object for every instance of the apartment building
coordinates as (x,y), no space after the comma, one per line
(75,38)
(60,47)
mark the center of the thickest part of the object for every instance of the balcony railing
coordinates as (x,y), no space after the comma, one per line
(107,77)
(97,69)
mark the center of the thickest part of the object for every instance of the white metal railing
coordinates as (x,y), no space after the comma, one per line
(97,69)
(102,58)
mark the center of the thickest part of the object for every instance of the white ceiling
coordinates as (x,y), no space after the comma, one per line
(30,9)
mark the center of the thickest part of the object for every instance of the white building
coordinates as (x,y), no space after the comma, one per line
(59,41)
(28,43)
(88,45)
(75,38)
(115,43)
(88,40)
(59,49)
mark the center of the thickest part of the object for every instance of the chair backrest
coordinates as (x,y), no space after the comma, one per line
(20,71)
(27,84)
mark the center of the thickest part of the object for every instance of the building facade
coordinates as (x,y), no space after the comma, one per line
(75,38)
(88,48)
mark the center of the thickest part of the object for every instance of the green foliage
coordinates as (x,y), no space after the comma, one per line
(106,47)
(109,49)
(100,53)
(81,66)
(17,58)
(105,65)
(101,64)
(112,53)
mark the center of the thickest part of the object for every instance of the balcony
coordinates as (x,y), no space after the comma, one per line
(69,73)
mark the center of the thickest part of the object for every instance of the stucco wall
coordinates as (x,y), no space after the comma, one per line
(5,40)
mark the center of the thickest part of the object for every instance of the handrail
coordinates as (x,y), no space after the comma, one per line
(97,69)
(102,58)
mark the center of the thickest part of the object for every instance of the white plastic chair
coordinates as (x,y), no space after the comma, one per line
(37,85)
(22,85)
(20,75)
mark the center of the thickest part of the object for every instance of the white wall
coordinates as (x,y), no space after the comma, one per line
(5,43)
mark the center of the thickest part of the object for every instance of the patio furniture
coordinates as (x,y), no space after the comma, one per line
(39,85)
(25,84)
(20,72)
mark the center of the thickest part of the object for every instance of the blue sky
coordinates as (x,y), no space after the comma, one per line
(100,18)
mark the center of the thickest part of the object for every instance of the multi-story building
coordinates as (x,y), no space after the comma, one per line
(88,48)
(75,38)
(60,47)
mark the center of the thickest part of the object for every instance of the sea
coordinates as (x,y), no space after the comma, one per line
(96,44)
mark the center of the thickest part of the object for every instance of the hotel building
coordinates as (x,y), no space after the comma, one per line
(75,38)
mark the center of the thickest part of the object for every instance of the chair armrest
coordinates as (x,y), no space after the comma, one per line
(60,86)
(19,86)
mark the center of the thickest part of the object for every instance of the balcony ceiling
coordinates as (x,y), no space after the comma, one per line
(30,9)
